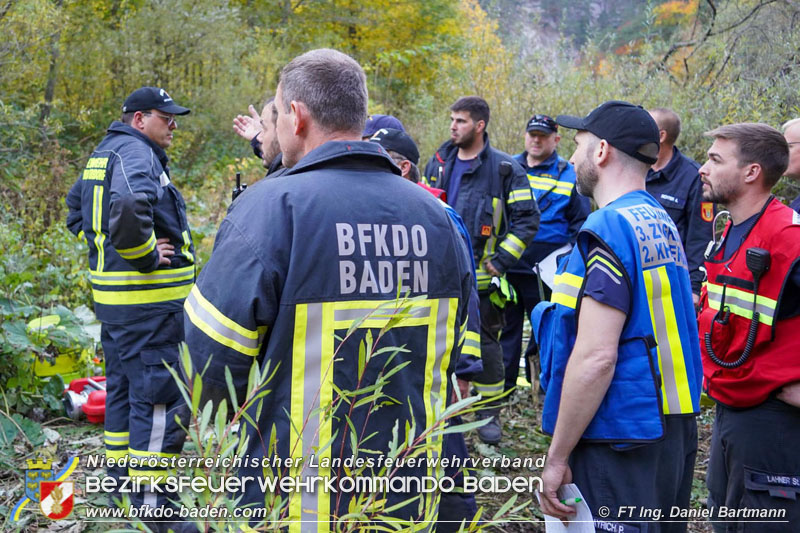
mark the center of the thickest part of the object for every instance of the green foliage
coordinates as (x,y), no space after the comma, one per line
(218,430)
(41,274)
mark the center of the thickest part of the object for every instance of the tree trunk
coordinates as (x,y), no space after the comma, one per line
(52,75)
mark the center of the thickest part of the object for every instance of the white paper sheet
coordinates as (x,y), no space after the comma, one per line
(580,522)
(547,266)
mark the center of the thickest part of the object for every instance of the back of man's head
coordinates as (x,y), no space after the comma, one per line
(759,144)
(669,121)
(333,87)
(476,106)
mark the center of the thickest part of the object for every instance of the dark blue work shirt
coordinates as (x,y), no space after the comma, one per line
(796,204)
(678,188)
(459,167)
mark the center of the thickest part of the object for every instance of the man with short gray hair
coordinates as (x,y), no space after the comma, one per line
(300,266)
(791,132)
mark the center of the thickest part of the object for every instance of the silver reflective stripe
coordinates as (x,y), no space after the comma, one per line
(442,351)
(602,268)
(155,278)
(746,305)
(311,393)
(157,431)
(474,343)
(567,289)
(357,315)
(668,384)
(205,316)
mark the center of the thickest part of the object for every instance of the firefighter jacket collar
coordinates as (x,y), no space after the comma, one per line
(124,129)
(370,153)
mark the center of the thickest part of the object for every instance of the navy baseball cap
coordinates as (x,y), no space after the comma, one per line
(145,98)
(399,141)
(376,122)
(542,123)
(627,127)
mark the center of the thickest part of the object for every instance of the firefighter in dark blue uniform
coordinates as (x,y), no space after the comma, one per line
(563,211)
(491,193)
(142,266)
(305,269)
(675,183)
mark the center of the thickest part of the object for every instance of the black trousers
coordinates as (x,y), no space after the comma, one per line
(754,465)
(639,485)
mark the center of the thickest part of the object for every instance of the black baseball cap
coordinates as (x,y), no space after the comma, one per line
(542,123)
(399,141)
(145,98)
(627,127)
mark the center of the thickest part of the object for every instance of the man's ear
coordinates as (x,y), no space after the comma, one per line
(601,152)
(480,126)
(300,116)
(754,170)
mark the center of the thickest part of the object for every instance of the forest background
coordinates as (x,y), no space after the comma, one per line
(66,66)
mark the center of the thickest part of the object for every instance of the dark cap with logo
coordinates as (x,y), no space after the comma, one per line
(542,123)
(627,127)
(376,122)
(145,98)
(399,141)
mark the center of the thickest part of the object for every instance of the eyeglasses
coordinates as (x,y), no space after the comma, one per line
(169,118)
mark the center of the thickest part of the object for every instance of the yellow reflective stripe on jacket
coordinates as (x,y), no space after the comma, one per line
(134,277)
(676,394)
(187,243)
(219,327)
(513,245)
(741,303)
(141,278)
(488,249)
(546,184)
(472,344)
(139,251)
(484,279)
(518,195)
(117,438)
(141,296)
(116,454)
(97,225)
(566,290)
(489,389)
(313,347)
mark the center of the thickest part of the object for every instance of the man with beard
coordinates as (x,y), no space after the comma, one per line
(618,342)
(261,132)
(491,193)
(748,330)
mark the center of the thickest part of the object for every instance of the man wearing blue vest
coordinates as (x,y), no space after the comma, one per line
(552,181)
(618,342)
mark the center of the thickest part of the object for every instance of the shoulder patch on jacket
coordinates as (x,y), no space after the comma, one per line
(707,211)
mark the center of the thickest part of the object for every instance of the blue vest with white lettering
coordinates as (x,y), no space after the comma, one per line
(658,370)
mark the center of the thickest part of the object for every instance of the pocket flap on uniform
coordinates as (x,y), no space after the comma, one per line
(785,486)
